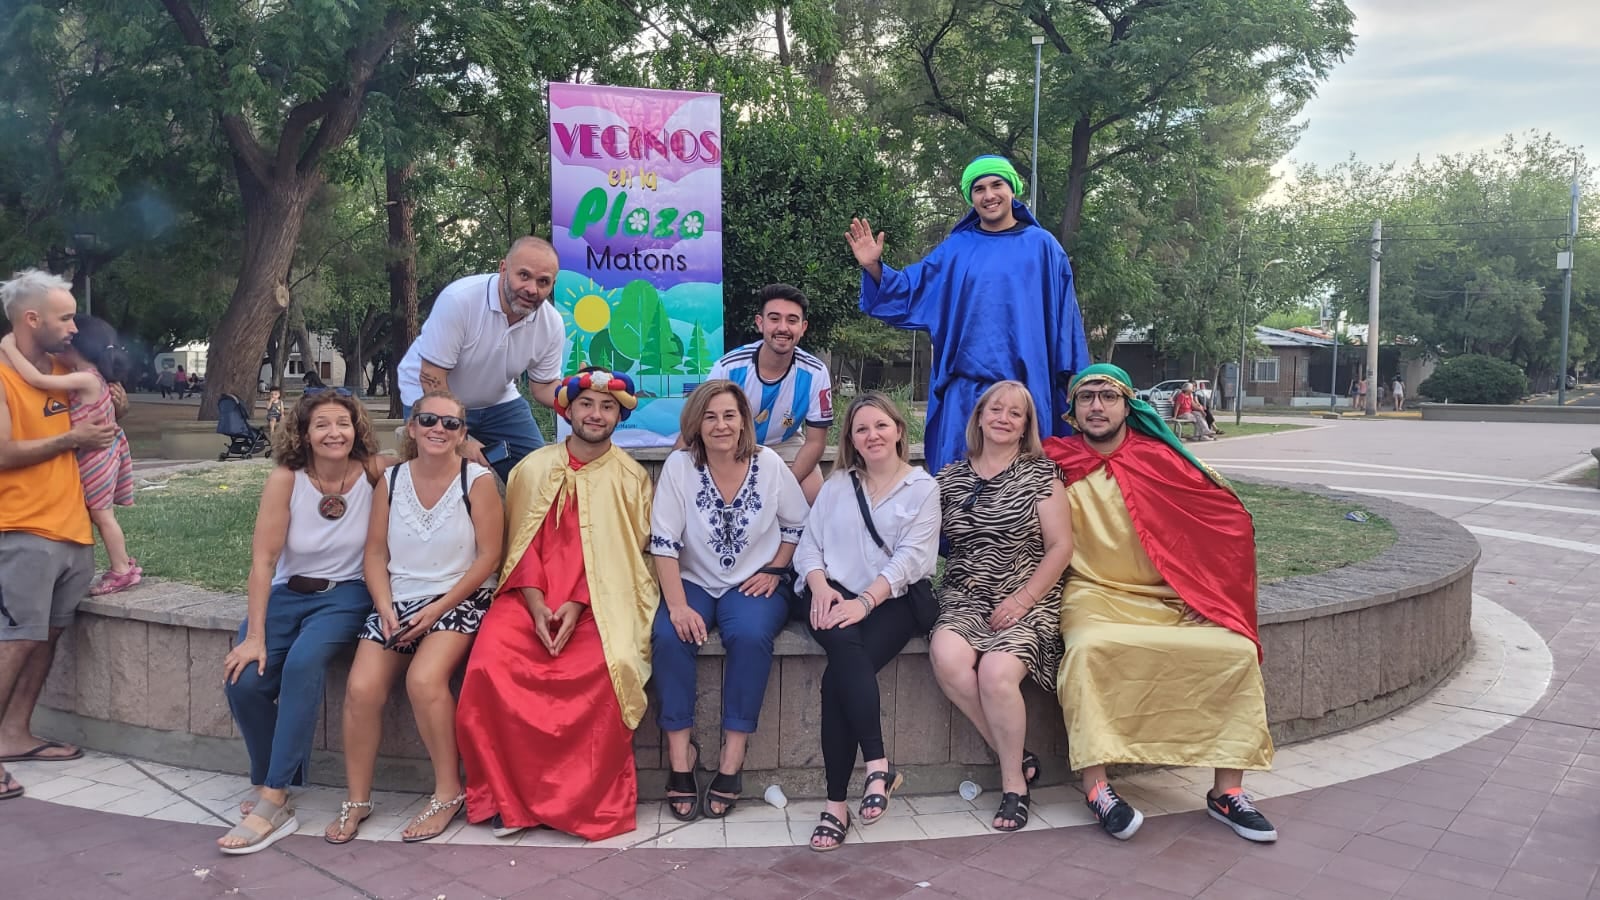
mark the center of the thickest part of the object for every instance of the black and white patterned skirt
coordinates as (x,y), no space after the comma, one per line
(464,619)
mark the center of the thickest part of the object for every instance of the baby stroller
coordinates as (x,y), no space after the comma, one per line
(244,440)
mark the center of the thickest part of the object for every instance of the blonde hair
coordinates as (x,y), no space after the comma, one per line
(847,456)
(1030,446)
(694,410)
(408,444)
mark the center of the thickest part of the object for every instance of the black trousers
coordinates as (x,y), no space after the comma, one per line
(850,686)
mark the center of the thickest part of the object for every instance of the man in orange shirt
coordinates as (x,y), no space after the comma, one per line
(46,545)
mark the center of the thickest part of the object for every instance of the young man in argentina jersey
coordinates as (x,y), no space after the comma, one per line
(790,391)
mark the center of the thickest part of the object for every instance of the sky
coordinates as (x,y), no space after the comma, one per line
(1431,77)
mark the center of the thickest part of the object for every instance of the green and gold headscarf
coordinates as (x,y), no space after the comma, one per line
(1142,417)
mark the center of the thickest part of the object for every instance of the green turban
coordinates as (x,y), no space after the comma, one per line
(983,167)
(1142,417)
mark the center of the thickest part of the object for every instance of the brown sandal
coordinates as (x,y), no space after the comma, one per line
(345,808)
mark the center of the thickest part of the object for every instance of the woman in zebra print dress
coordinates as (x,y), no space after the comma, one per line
(1009,533)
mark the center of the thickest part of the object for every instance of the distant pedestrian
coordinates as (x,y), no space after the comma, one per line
(1397,394)
(180,382)
(165,381)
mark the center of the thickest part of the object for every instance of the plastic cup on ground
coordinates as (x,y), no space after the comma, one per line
(969,791)
(775,796)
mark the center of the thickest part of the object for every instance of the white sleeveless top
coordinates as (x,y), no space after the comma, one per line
(430,549)
(325,548)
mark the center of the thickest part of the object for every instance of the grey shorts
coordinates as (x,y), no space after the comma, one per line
(41,583)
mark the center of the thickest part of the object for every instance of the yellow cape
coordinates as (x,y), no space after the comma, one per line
(614,519)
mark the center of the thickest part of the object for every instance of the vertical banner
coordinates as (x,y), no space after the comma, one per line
(636,209)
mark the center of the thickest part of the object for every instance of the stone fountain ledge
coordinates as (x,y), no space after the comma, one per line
(140,674)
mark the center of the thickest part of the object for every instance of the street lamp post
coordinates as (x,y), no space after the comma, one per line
(1244,308)
(84,241)
(1033,185)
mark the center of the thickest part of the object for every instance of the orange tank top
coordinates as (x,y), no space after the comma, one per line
(45,498)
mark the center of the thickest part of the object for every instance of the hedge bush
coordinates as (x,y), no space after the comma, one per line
(1475,379)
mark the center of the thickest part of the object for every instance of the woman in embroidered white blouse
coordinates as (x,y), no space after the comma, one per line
(724,525)
(433,546)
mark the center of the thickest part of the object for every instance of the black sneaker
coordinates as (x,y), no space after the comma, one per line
(1235,810)
(1117,817)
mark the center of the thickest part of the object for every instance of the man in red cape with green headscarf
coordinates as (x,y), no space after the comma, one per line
(1162,662)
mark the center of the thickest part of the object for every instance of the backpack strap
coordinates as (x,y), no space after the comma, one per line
(464,488)
(393,471)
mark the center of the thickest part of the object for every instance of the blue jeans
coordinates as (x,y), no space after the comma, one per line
(277,711)
(511,422)
(748,626)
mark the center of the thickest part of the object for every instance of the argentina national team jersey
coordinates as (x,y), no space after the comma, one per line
(803,396)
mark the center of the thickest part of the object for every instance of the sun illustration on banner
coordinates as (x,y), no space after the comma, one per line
(591,306)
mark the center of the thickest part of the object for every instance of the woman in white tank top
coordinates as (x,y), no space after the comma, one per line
(433,550)
(307,600)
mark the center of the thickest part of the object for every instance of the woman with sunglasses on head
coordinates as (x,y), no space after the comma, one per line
(726,518)
(433,548)
(870,545)
(1008,533)
(307,600)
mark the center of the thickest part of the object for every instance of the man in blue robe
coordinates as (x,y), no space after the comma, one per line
(996,299)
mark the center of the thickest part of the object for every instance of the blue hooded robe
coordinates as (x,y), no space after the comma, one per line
(997,305)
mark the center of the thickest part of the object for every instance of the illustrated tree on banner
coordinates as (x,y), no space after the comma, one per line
(636,203)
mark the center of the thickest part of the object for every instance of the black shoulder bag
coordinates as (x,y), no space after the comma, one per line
(924,605)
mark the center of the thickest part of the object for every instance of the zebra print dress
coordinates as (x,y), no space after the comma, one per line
(995,542)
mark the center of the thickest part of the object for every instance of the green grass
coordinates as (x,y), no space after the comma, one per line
(1587,477)
(1244,429)
(1299,534)
(195,527)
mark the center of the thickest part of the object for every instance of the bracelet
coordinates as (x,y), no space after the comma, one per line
(866,602)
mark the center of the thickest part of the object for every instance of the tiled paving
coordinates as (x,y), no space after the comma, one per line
(1493,791)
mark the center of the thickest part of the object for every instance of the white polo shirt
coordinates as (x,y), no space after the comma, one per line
(468,334)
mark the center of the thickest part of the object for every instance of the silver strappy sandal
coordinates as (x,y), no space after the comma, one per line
(345,810)
(434,807)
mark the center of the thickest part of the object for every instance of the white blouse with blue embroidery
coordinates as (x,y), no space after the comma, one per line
(719,545)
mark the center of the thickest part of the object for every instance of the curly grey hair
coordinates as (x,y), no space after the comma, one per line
(27,288)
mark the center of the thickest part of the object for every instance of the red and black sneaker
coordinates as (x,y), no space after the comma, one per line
(1116,815)
(1233,809)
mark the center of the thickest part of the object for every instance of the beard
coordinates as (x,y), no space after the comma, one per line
(1105,437)
(593,434)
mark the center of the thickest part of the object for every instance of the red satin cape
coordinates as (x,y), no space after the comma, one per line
(542,737)
(1197,532)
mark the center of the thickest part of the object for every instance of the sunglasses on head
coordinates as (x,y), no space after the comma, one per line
(428,420)
(341,391)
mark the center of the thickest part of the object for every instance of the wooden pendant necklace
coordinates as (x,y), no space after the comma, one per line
(332,506)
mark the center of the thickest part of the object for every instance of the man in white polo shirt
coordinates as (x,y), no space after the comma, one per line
(483,332)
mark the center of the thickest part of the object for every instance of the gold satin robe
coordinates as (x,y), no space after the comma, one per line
(614,502)
(1143,679)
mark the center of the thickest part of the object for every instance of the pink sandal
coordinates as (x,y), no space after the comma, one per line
(111,582)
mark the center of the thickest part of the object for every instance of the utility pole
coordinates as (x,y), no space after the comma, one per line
(1333,382)
(1033,187)
(1564,261)
(1371,406)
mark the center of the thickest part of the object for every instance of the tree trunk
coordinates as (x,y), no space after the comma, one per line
(1077,184)
(402,274)
(272,230)
(783,37)
(278,346)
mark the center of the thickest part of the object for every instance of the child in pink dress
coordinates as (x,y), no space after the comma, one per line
(108,473)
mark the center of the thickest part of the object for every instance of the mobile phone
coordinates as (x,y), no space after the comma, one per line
(390,642)
(496,451)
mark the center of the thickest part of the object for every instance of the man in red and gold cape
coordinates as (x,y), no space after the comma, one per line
(1162,662)
(555,685)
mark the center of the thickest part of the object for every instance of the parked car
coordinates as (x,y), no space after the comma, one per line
(845,386)
(1165,391)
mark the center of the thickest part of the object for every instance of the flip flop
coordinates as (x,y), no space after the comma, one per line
(37,754)
(12,787)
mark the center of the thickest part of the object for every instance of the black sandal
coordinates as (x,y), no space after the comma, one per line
(1015,808)
(684,788)
(835,831)
(892,779)
(1030,759)
(724,789)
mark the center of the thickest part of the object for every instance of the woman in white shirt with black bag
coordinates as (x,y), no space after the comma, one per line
(866,557)
(433,549)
